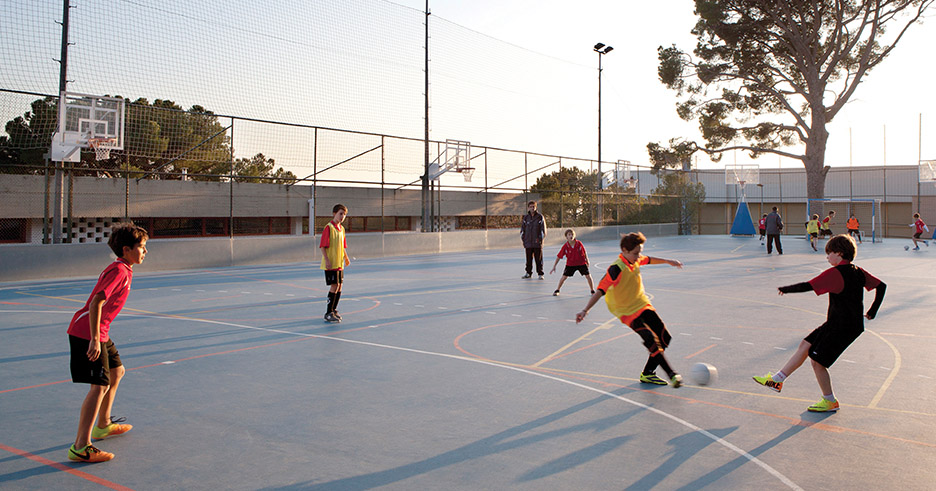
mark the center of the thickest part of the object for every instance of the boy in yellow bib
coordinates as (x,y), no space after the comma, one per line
(334,258)
(812,228)
(624,293)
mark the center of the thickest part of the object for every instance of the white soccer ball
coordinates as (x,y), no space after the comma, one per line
(906,248)
(704,374)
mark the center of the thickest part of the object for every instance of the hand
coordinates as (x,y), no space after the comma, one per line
(779,292)
(94,350)
(551,271)
(347,260)
(674,262)
(869,316)
(579,317)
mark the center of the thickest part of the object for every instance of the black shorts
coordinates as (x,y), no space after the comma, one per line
(97,372)
(652,331)
(828,342)
(814,236)
(917,235)
(823,232)
(334,276)
(570,270)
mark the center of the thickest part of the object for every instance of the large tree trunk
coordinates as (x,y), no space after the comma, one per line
(814,160)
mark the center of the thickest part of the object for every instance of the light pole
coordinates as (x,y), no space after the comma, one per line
(601,49)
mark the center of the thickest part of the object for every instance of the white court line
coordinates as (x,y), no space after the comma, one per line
(754,460)
(779,348)
(747,343)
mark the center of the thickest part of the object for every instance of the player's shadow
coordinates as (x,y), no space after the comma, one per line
(510,439)
(729,467)
(11,477)
(684,448)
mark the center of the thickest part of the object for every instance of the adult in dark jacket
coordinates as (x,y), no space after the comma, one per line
(774,226)
(532,232)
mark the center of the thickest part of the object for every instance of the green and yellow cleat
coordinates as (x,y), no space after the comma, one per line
(767,381)
(824,406)
(651,378)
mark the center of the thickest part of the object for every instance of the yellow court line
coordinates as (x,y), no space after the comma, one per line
(893,373)
(604,325)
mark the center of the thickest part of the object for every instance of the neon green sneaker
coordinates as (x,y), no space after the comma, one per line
(651,379)
(767,381)
(113,429)
(676,381)
(824,406)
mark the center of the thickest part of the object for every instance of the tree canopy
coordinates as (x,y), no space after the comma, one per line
(767,75)
(161,136)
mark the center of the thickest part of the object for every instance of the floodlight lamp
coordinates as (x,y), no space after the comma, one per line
(607,50)
(599,46)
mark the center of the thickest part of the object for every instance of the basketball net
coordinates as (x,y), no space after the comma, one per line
(467,172)
(102,147)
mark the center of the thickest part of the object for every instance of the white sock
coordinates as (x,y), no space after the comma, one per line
(779,376)
(829,397)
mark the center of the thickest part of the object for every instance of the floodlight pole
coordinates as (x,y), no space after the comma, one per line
(601,49)
(59,165)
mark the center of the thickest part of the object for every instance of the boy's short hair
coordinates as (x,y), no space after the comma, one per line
(815,216)
(916,215)
(339,206)
(842,244)
(832,212)
(568,231)
(632,240)
(531,203)
(126,234)
(764,215)
(774,208)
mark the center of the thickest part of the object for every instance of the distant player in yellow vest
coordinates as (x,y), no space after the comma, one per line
(334,258)
(812,228)
(624,293)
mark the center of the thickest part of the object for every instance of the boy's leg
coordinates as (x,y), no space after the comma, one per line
(89,411)
(561,281)
(591,284)
(107,402)
(529,261)
(795,361)
(538,255)
(822,376)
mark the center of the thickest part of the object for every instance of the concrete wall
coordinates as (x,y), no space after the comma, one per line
(19,262)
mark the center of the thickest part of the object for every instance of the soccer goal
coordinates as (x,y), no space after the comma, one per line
(867,211)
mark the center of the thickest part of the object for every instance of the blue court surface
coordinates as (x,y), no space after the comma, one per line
(452,372)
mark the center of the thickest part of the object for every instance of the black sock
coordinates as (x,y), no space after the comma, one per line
(665,366)
(335,304)
(651,366)
(331,302)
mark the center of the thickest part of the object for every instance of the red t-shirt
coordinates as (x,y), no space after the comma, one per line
(575,255)
(763,223)
(114,283)
(919,225)
(831,281)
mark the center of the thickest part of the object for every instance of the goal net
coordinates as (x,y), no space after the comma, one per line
(866,211)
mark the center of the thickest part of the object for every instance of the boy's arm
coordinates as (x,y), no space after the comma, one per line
(660,260)
(797,288)
(553,270)
(94,319)
(878,298)
(579,317)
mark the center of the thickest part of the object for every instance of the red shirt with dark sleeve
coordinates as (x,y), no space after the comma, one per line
(575,254)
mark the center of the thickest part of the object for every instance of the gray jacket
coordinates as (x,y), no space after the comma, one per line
(774,223)
(533,230)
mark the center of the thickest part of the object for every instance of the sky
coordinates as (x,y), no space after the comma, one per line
(881,124)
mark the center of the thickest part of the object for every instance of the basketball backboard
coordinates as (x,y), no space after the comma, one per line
(83,117)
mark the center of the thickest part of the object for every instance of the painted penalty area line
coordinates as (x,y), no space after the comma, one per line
(754,460)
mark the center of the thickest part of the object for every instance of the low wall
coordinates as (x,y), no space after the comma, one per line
(20,262)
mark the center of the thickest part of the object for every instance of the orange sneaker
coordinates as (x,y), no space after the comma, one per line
(90,454)
(113,429)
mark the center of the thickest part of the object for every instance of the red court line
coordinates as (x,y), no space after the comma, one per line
(65,468)
(703,350)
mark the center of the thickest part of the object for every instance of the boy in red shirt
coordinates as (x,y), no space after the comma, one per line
(576,260)
(762,227)
(844,323)
(94,358)
(920,227)
(334,258)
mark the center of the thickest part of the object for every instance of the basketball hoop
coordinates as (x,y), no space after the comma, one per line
(102,147)
(467,172)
